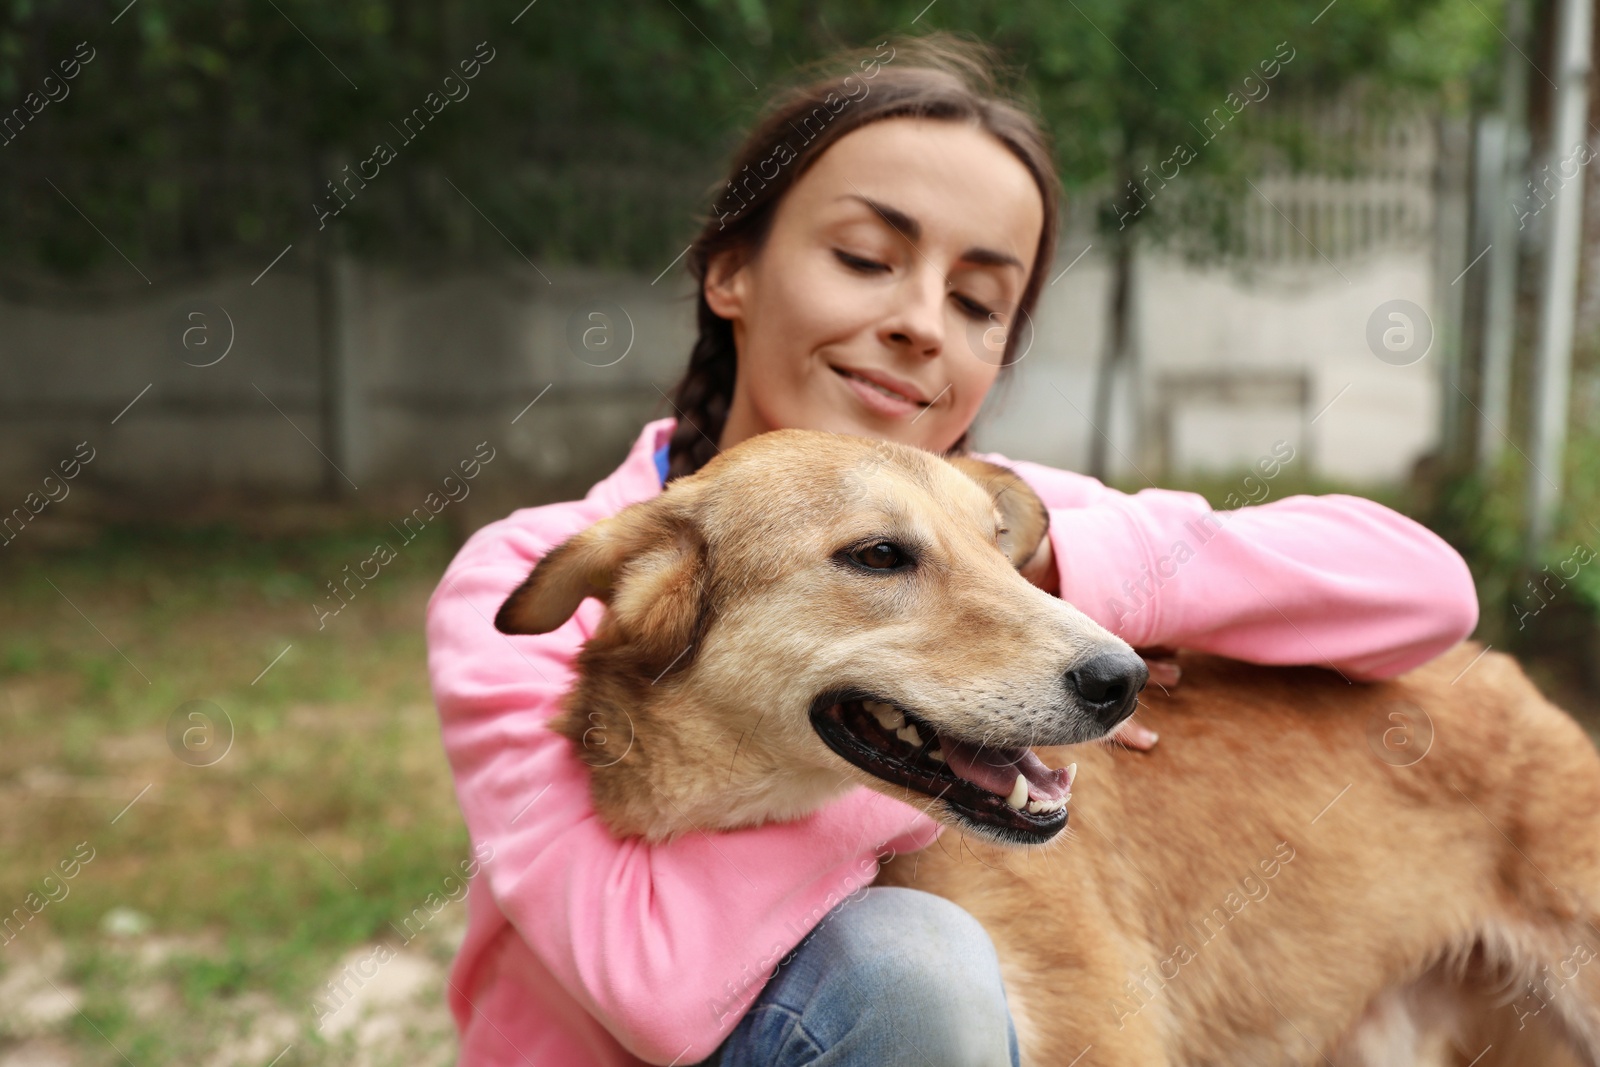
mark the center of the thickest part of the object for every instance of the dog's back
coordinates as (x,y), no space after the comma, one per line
(1309,871)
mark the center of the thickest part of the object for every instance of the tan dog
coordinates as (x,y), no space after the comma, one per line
(1278,883)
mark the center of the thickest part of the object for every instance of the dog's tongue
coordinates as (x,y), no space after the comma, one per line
(996,769)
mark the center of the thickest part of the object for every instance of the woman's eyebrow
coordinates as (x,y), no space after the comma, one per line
(911,230)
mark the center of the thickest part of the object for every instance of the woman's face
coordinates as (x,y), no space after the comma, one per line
(866,309)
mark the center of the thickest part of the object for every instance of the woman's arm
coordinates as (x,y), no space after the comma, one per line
(665,944)
(1332,580)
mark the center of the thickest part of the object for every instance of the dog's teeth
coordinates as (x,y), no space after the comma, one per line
(1036,806)
(1019,793)
(1072,773)
(888,716)
(908,734)
(936,753)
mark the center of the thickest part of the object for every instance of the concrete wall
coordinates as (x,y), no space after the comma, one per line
(439,364)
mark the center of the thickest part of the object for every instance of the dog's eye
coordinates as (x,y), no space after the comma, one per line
(881,556)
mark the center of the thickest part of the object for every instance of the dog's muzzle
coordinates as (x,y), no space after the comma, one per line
(1006,791)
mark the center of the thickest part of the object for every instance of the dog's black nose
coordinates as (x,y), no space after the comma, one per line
(1108,685)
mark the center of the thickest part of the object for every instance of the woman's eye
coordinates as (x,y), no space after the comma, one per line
(972,307)
(866,266)
(882,556)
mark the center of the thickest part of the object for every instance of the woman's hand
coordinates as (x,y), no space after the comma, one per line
(1164,672)
(1130,734)
(1163,664)
(1041,568)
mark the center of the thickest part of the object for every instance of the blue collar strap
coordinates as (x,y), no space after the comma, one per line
(661,463)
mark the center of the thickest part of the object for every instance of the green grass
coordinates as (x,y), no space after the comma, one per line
(331,814)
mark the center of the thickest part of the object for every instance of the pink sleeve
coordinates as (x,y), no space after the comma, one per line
(666,944)
(1333,580)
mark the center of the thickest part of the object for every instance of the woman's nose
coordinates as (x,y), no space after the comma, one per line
(916,319)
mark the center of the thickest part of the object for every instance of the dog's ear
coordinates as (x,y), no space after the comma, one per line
(645,563)
(1027,520)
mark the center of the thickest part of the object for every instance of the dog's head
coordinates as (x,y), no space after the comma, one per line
(810,610)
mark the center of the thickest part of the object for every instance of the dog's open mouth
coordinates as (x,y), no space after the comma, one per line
(1005,788)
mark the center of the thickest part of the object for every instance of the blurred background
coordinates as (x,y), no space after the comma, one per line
(1310,246)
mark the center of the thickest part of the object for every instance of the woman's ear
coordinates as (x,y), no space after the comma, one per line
(646,563)
(1026,518)
(725,283)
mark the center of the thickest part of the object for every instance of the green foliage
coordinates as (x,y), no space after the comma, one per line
(1522,603)
(204,131)
(1482,517)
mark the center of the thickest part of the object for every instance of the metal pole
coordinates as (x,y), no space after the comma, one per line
(340,387)
(1452,225)
(1509,142)
(1553,368)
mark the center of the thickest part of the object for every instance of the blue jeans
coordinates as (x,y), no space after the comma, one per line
(890,976)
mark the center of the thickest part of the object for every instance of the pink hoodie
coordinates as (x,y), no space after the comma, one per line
(582,949)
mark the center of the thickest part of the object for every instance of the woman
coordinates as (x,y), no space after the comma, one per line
(874,229)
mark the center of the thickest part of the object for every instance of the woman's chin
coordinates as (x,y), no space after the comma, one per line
(926,433)
(855,408)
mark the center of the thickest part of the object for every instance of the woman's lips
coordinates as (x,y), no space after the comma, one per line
(880,397)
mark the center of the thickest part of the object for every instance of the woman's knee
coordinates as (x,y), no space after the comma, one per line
(922,975)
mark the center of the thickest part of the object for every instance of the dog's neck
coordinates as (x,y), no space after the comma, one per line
(661,766)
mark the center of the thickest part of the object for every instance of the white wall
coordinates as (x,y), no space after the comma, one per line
(1294,316)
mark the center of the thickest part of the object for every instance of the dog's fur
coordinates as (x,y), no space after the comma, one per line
(1271,885)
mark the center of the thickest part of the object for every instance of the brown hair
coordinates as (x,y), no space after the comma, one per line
(938,76)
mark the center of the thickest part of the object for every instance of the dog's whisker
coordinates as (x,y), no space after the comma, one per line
(735,758)
(967,845)
(740,745)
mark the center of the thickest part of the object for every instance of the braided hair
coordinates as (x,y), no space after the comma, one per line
(937,76)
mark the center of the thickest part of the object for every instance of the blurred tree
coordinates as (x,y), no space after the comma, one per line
(1148,93)
(203,131)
